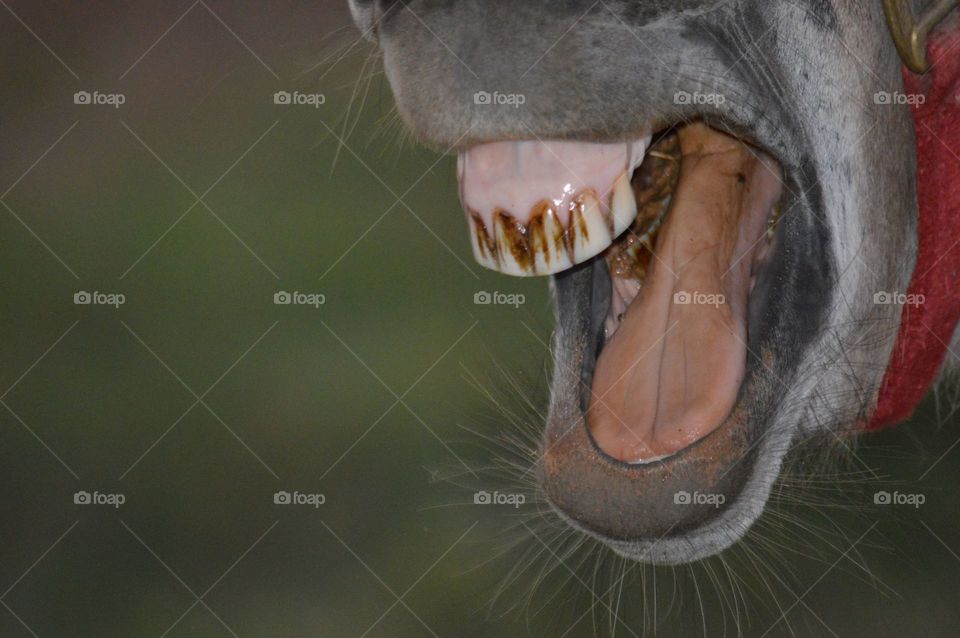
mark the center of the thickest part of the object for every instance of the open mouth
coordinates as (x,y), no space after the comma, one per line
(682,230)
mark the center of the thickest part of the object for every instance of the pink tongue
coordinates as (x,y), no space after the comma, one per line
(672,371)
(517,176)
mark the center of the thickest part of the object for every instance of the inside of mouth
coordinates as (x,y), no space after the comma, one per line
(674,347)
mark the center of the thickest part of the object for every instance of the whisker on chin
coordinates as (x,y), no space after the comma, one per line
(546,569)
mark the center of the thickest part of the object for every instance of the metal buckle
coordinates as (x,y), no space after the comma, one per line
(910,32)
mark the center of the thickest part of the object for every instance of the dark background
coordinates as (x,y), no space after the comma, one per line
(199,398)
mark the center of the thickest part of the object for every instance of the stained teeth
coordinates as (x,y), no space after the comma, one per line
(546,237)
(484,250)
(513,251)
(591,227)
(545,245)
(538,208)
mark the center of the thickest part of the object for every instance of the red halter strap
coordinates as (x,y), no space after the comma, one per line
(926,328)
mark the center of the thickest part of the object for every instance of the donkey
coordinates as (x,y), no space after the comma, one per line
(725,196)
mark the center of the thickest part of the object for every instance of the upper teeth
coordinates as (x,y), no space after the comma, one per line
(557,233)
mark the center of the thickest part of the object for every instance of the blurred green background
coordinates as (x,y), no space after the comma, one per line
(199,398)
